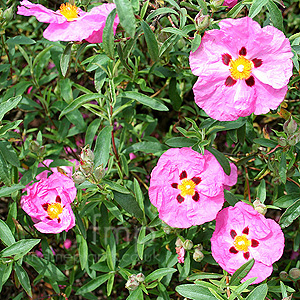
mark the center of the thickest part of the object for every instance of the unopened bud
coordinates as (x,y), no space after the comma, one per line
(166,228)
(288,298)
(87,154)
(179,243)
(132,284)
(140,277)
(283,275)
(294,273)
(216,4)
(78,177)
(188,245)
(198,255)
(34,147)
(290,126)
(294,139)
(99,173)
(260,207)
(202,21)
(8,14)
(282,141)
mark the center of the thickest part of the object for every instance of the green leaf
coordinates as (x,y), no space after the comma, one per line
(151,41)
(204,275)
(196,42)
(265,142)
(20,40)
(9,126)
(93,284)
(19,248)
(147,147)
(137,294)
(5,271)
(6,235)
(115,186)
(102,147)
(238,290)
(146,100)
(83,252)
(23,278)
(261,191)
(259,293)
(65,59)
(282,167)
(78,102)
(256,7)
(235,10)
(241,272)
(291,214)
(287,200)
(126,16)
(129,204)
(222,159)
(275,14)
(9,153)
(8,105)
(179,142)
(109,259)
(194,292)
(108,34)
(174,95)
(230,198)
(8,190)
(159,274)
(110,284)
(161,11)
(141,246)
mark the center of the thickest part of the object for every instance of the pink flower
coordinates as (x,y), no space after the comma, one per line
(132,156)
(242,69)
(180,251)
(70,23)
(187,188)
(67,243)
(243,233)
(67,169)
(230,3)
(48,203)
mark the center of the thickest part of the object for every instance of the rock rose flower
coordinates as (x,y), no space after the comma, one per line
(230,3)
(48,203)
(70,23)
(187,188)
(242,69)
(243,233)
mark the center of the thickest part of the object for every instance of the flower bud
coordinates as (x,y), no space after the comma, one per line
(294,139)
(166,228)
(202,21)
(140,277)
(132,284)
(99,173)
(34,147)
(87,154)
(290,126)
(216,4)
(198,255)
(78,177)
(282,141)
(294,273)
(188,245)
(260,207)
(179,243)
(283,275)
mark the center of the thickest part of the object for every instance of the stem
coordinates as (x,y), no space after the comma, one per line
(247,182)
(227,288)
(7,54)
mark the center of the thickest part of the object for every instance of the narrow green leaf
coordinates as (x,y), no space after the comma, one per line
(256,7)
(146,100)
(9,126)
(151,41)
(136,294)
(8,190)
(291,214)
(283,289)
(108,34)
(126,16)
(19,248)
(6,235)
(222,159)
(179,142)
(259,293)
(275,14)
(286,200)
(65,59)
(282,167)
(93,284)
(8,105)
(159,274)
(230,198)
(261,191)
(174,95)
(241,272)
(109,259)
(235,10)
(141,246)
(23,278)
(78,102)
(161,11)
(20,40)
(9,153)
(196,42)
(238,290)
(102,147)
(265,142)
(147,147)
(83,252)
(195,292)
(110,284)
(5,271)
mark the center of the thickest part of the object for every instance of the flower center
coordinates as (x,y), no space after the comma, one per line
(187,187)
(241,243)
(54,210)
(69,11)
(241,68)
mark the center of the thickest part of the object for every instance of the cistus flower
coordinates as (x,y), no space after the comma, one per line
(242,69)
(48,201)
(230,3)
(241,234)
(70,23)
(187,188)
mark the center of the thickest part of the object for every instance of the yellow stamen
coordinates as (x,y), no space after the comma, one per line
(187,187)
(240,68)
(69,11)
(54,210)
(241,243)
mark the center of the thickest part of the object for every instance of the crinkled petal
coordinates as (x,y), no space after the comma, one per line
(42,13)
